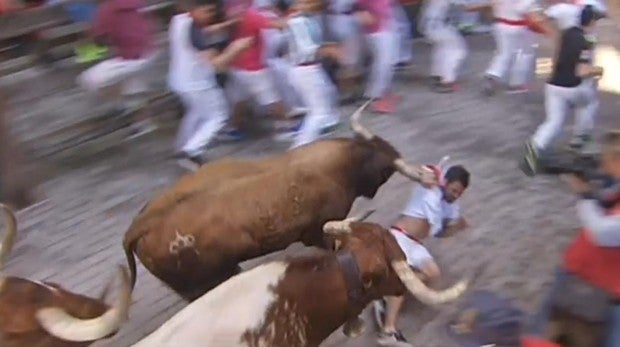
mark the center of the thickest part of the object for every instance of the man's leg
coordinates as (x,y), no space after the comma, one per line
(585,117)
(312,84)
(382,70)
(213,118)
(390,335)
(504,55)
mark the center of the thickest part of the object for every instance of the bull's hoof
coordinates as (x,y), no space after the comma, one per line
(353,327)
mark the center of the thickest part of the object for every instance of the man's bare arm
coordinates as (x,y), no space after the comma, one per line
(453,227)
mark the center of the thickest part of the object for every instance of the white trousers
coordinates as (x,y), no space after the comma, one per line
(417,255)
(510,40)
(448,52)
(256,85)
(280,69)
(129,73)
(382,45)
(206,114)
(402,26)
(347,31)
(313,84)
(583,99)
(524,70)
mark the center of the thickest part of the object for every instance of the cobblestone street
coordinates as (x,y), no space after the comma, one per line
(519,225)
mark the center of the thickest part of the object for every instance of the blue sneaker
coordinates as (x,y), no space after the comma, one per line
(231,135)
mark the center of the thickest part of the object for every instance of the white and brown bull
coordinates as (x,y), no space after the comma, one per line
(193,236)
(300,301)
(35,314)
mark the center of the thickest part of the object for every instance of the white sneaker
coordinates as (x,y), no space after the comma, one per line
(393,339)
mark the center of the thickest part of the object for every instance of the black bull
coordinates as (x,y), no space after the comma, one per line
(194,235)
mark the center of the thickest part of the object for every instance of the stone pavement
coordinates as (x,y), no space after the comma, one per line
(519,224)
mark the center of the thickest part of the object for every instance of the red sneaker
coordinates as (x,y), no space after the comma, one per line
(383,105)
(394,98)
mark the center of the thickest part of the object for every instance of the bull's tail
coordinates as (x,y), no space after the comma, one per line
(129,245)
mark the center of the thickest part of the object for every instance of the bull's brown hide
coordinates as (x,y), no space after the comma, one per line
(312,298)
(21,299)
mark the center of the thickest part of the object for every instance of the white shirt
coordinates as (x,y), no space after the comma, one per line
(604,229)
(188,70)
(513,9)
(436,12)
(428,203)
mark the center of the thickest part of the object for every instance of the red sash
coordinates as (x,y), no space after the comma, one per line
(596,265)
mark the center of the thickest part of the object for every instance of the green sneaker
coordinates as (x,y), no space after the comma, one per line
(90,53)
(529,164)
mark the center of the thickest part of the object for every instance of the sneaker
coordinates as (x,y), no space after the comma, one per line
(445,88)
(297,112)
(231,135)
(489,85)
(383,105)
(530,161)
(330,128)
(379,312)
(517,89)
(404,65)
(393,339)
(394,98)
(142,128)
(190,162)
(287,133)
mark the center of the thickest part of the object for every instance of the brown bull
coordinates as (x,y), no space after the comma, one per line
(194,236)
(34,314)
(300,301)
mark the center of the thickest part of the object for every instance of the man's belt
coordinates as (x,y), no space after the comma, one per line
(520,22)
(404,232)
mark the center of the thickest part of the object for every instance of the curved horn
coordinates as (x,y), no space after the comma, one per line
(421,291)
(59,323)
(344,226)
(9,238)
(357,127)
(417,174)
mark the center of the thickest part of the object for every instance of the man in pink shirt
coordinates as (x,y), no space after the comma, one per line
(249,76)
(130,35)
(375,17)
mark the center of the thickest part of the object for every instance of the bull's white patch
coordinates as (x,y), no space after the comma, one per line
(221,317)
(181,242)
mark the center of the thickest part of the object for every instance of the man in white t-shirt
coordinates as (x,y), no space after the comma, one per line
(194,61)
(431,211)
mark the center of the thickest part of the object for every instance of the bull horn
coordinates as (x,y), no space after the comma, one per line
(417,174)
(421,291)
(357,127)
(60,324)
(344,226)
(9,238)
